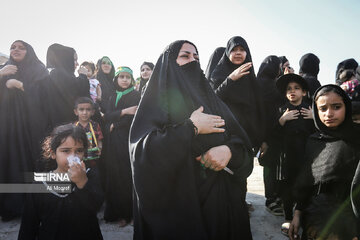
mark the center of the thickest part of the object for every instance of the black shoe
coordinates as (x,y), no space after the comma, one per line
(274,209)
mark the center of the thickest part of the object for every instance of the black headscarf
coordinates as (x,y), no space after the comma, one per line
(61,57)
(348,64)
(345,130)
(214,60)
(283,59)
(106,82)
(164,168)
(244,99)
(309,64)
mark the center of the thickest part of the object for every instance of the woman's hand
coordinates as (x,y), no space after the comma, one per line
(13,83)
(307,113)
(111,127)
(263,149)
(207,123)
(216,158)
(294,226)
(129,111)
(240,71)
(288,115)
(77,174)
(8,70)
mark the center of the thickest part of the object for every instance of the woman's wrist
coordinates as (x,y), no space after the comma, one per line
(196,130)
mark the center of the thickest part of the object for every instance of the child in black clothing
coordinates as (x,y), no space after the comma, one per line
(295,125)
(67,216)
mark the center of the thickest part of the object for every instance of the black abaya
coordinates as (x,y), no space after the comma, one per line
(242,96)
(213,61)
(118,190)
(309,70)
(22,124)
(176,198)
(106,83)
(63,88)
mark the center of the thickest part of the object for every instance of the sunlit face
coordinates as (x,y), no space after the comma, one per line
(67,148)
(331,109)
(237,55)
(187,54)
(18,51)
(145,72)
(124,79)
(295,93)
(285,65)
(84,111)
(106,65)
(76,64)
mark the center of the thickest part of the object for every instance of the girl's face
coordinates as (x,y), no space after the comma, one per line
(145,72)
(331,109)
(90,72)
(67,148)
(18,51)
(106,65)
(187,54)
(238,55)
(124,79)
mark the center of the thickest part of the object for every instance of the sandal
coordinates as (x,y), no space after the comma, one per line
(285,228)
(275,209)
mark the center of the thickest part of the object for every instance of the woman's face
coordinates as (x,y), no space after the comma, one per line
(18,51)
(124,79)
(106,65)
(331,109)
(238,55)
(187,54)
(145,72)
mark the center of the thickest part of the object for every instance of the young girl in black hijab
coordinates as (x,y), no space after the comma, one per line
(22,120)
(179,151)
(118,118)
(234,81)
(331,159)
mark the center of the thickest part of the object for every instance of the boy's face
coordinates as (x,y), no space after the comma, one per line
(84,111)
(295,93)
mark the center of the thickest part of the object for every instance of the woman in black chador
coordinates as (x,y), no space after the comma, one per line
(234,81)
(182,138)
(118,118)
(309,70)
(21,120)
(213,61)
(105,72)
(64,88)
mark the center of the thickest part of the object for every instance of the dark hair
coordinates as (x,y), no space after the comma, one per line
(89,64)
(57,137)
(149,64)
(81,100)
(328,89)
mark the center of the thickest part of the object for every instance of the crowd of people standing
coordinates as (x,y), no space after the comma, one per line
(170,151)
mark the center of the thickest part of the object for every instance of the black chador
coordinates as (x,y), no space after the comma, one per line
(242,96)
(213,61)
(21,126)
(175,197)
(64,88)
(118,189)
(106,82)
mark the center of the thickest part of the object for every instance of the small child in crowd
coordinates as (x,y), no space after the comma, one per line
(56,215)
(84,109)
(295,125)
(95,89)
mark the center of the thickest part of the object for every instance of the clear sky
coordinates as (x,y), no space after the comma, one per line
(133,31)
